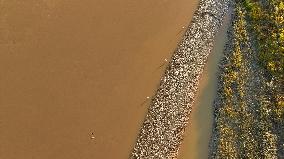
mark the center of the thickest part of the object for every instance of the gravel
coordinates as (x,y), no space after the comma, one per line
(167,117)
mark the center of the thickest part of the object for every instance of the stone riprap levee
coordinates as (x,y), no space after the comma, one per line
(167,117)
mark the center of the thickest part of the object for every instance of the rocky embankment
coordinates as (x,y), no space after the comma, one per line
(167,117)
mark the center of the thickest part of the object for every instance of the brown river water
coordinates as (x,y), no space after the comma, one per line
(198,133)
(74,73)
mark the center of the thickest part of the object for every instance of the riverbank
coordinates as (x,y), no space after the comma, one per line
(198,131)
(163,128)
(247,120)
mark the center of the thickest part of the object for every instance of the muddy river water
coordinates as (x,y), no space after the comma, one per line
(74,73)
(198,132)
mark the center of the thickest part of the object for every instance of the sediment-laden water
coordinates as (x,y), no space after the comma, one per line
(75,74)
(163,129)
(198,131)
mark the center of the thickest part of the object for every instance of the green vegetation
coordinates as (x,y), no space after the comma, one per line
(249,110)
(267,23)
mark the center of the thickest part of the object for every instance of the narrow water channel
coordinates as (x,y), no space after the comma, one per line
(198,133)
(74,73)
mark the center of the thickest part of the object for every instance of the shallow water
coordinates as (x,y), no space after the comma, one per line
(70,68)
(198,133)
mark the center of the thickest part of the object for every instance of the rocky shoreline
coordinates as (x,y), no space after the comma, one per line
(167,117)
